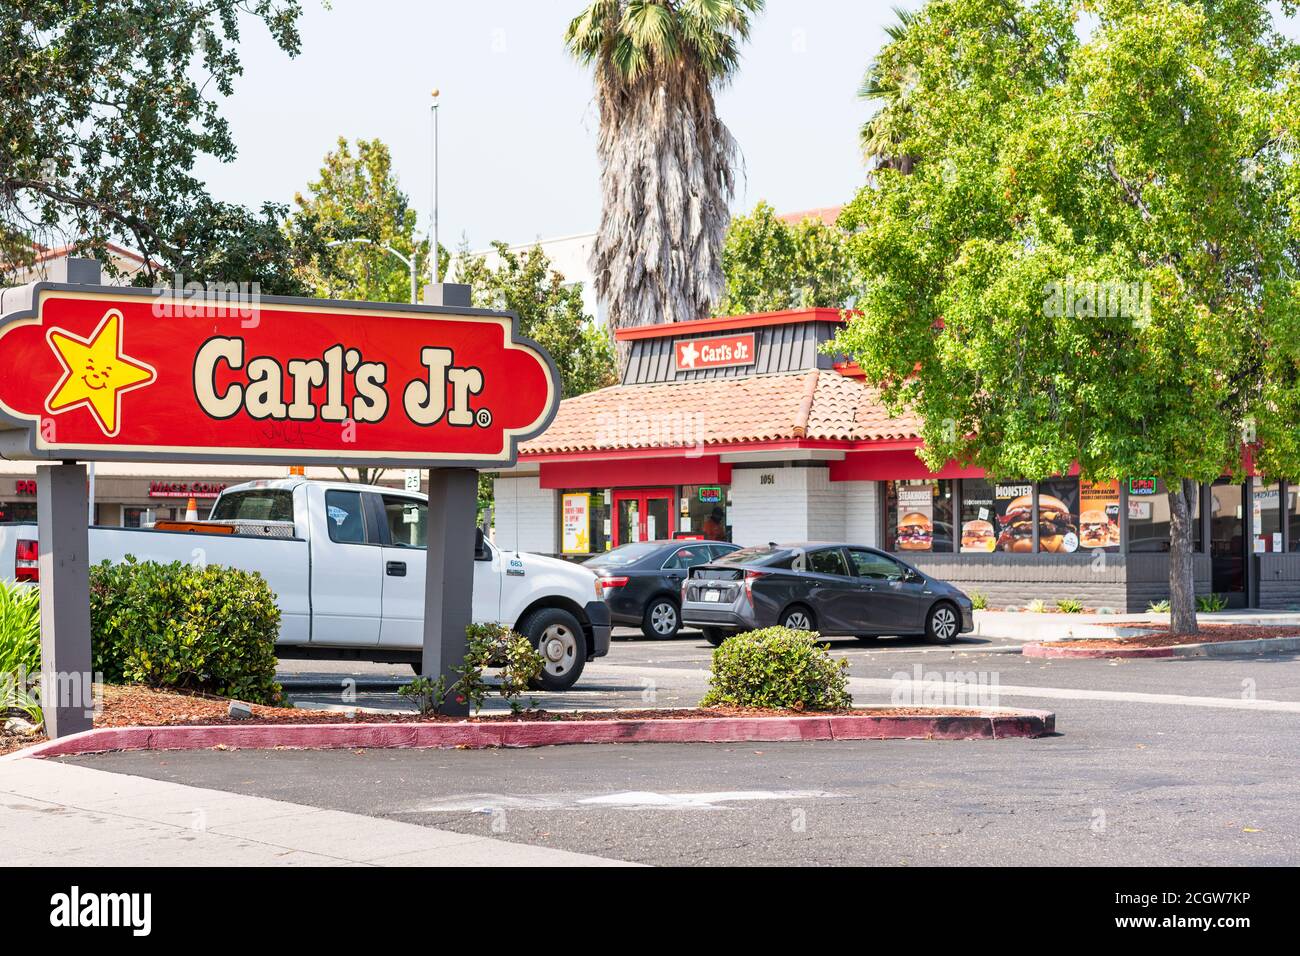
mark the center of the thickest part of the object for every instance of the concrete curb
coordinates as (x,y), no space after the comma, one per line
(993,724)
(1264,645)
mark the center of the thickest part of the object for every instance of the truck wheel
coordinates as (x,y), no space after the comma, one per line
(661,620)
(558,637)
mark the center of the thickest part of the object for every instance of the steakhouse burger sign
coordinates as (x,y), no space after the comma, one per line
(92,372)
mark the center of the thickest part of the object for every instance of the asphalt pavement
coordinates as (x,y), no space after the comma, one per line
(1156,762)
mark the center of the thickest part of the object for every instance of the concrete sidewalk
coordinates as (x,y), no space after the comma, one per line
(1035,626)
(54,813)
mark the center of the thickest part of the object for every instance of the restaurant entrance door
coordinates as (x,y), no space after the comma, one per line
(643,515)
(1228,541)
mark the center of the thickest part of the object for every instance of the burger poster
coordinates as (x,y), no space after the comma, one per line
(915,518)
(1014,506)
(1098,514)
(978,535)
(576,521)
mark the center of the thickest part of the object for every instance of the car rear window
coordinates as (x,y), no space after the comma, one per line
(765,555)
(258,504)
(623,555)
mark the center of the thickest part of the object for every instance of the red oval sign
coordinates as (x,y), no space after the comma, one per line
(95,372)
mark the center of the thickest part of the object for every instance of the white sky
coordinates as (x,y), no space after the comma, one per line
(517,122)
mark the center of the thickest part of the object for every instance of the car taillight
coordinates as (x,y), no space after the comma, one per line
(604,584)
(26,560)
(749,584)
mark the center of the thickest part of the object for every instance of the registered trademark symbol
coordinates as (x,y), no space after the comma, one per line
(484,417)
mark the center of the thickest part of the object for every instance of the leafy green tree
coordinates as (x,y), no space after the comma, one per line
(665,156)
(107,106)
(550,312)
(349,218)
(887,83)
(1094,261)
(771,265)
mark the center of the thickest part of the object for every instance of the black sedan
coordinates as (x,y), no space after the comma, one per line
(642,582)
(835,589)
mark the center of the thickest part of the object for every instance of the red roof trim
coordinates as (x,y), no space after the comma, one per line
(789,444)
(786,317)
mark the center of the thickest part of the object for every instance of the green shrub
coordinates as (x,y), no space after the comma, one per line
(210,629)
(1159,607)
(1211,602)
(979,600)
(1036,606)
(20,648)
(1069,606)
(487,645)
(777,667)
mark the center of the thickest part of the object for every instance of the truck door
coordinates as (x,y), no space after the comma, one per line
(404,523)
(346,575)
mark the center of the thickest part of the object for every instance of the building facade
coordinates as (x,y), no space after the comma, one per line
(744,429)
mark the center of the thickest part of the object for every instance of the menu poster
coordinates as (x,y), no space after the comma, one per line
(915,518)
(576,524)
(1013,504)
(1099,514)
(978,533)
(1058,516)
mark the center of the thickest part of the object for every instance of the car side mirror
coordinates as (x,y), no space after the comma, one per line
(480,548)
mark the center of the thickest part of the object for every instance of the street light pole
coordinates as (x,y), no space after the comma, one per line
(437,266)
(409,262)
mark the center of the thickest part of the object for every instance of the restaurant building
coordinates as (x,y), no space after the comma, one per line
(743,429)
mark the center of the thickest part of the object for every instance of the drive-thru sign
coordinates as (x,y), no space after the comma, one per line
(90,372)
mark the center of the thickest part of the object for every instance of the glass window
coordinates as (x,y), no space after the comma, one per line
(704,512)
(826,561)
(343,517)
(623,555)
(257,504)
(597,529)
(1148,517)
(979,533)
(1058,516)
(408,521)
(718,550)
(1268,516)
(684,558)
(762,554)
(21,511)
(1293,516)
(869,564)
(918,515)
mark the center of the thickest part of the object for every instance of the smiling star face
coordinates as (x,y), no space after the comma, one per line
(95,372)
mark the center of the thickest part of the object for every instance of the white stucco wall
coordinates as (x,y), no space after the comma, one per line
(800,504)
(526,516)
(861,512)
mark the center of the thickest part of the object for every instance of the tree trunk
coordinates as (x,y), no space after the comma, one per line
(1182,577)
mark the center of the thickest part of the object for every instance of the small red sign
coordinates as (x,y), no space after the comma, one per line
(96,372)
(25,486)
(716,352)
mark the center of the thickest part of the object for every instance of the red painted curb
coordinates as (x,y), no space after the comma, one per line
(994,725)
(1049,652)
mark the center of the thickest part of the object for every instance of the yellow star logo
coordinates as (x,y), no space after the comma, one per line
(95,372)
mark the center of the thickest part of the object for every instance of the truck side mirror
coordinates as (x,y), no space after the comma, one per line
(480,549)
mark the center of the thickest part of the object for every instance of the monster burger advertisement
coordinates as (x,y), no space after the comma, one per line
(1057,530)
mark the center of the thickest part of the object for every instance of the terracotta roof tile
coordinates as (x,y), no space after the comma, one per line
(720,412)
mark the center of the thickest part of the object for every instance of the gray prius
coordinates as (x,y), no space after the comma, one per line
(835,589)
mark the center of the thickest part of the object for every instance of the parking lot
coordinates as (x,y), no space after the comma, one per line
(1155,762)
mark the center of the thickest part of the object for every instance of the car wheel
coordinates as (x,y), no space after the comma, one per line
(798,618)
(942,624)
(661,620)
(558,637)
(714,635)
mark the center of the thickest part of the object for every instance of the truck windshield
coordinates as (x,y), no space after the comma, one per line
(256,504)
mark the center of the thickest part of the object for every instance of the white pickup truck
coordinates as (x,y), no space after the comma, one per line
(347,563)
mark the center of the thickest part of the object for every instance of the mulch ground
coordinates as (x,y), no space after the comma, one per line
(136,706)
(1209,634)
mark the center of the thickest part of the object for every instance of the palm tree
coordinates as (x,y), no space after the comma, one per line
(888,88)
(665,157)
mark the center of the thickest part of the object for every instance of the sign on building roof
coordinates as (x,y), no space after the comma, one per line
(717,351)
(99,372)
